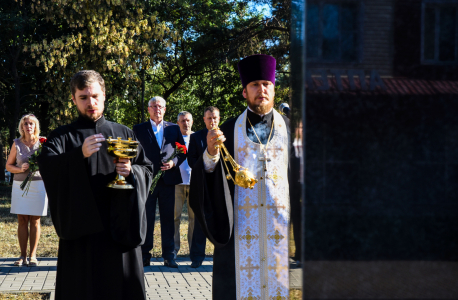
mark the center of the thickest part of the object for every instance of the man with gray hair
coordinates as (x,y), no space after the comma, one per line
(158,138)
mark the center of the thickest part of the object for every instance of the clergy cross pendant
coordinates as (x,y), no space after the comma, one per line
(264,159)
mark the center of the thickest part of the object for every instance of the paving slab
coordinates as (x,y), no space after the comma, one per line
(161,282)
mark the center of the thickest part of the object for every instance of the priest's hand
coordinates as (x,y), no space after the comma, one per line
(214,137)
(92,144)
(123,166)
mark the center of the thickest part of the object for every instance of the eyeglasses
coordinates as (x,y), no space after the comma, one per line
(157,107)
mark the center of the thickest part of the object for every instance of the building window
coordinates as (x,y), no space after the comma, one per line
(334,31)
(439,27)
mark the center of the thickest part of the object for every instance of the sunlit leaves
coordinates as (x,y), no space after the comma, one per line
(180,43)
(110,36)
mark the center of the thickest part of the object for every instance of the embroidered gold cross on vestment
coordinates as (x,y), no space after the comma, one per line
(275,177)
(249,267)
(247,207)
(277,237)
(275,151)
(248,237)
(278,268)
(278,296)
(250,296)
(276,207)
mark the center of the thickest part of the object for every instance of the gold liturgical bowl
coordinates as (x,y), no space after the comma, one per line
(121,149)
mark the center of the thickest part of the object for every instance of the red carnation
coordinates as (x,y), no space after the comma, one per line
(42,140)
(181,148)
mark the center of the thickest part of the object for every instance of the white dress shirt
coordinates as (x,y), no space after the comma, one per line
(158,130)
(185,170)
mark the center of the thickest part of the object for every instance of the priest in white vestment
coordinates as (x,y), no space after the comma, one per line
(249,227)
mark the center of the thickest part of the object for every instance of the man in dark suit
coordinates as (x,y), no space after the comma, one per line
(198,141)
(158,139)
(197,145)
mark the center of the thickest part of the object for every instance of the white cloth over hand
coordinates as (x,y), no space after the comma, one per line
(210,161)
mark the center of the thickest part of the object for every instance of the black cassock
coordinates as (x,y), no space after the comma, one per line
(211,199)
(100,228)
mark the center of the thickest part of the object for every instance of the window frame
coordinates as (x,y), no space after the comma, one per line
(437,4)
(359,31)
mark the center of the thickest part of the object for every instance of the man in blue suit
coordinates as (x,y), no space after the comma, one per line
(197,146)
(158,139)
(196,237)
(198,140)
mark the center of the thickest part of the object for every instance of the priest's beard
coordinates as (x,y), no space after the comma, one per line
(259,108)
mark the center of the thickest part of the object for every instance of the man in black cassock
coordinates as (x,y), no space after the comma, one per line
(100,229)
(249,227)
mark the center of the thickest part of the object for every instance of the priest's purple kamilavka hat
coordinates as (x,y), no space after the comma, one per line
(257,67)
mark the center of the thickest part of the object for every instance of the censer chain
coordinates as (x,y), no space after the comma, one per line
(227,157)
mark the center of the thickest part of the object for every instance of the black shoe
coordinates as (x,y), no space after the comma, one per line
(296,264)
(170,263)
(196,264)
(146,263)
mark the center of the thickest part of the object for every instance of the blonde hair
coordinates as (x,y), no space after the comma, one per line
(32,118)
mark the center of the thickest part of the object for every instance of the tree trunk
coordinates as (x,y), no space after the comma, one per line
(2,163)
(17,98)
(44,120)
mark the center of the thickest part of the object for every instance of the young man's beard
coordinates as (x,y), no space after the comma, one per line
(260,109)
(92,117)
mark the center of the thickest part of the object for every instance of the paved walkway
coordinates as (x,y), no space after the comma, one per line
(160,282)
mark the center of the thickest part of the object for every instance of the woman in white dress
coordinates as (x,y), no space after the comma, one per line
(31,206)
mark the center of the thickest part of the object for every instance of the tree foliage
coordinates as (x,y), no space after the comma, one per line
(186,51)
(116,38)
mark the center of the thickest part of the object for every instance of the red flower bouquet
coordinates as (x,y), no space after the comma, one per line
(178,150)
(33,167)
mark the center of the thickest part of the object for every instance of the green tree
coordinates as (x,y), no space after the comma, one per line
(174,43)
(17,78)
(215,35)
(117,38)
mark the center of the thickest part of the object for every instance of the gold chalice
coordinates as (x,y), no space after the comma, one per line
(121,149)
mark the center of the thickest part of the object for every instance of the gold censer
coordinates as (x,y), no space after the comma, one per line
(121,149)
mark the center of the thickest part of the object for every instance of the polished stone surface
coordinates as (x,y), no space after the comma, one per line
(381,178)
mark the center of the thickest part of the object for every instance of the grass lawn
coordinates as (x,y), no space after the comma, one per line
(47,247)
(24,296)
(295,294)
